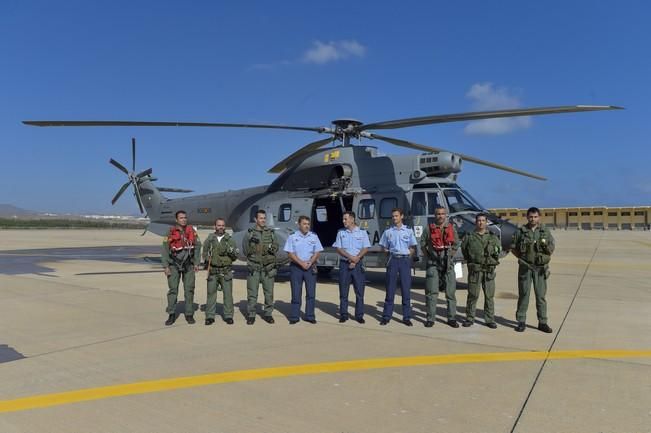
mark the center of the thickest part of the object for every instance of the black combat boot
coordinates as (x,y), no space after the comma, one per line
(521,327)
(545,328)
(170,320)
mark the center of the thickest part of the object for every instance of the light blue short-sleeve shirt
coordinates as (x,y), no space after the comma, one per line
(352,241)
(303,245)
(398,240)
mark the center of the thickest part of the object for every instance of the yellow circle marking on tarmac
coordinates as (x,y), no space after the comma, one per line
(61,398)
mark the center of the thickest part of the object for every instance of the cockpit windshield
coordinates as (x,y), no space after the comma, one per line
(460,201)
(425,202)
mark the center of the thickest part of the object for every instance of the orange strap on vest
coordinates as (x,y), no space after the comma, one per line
(441,239)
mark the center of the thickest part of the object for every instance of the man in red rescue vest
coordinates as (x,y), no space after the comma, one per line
(439,245)
(180,256)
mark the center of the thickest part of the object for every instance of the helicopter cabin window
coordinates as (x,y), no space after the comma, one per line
(321,213)
(254,210)
(366,209)
(387,205)
(285,212)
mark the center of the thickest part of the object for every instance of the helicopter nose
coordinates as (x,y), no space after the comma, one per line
(508,230)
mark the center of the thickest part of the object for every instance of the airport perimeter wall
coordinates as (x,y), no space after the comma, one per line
(585,218)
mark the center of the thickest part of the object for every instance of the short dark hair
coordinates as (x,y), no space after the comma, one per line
(533,210)
(219,219)
(179,212)
(260,211)
(440,207)
(350,213)
(303,217)
(481,214)
(399,210)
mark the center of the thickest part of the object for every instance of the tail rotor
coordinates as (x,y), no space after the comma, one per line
(134,178)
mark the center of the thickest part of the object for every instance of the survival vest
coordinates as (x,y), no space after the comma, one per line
(223,253)
(262,246)
(482,249)
(441,238)
(179,239)
(533,246)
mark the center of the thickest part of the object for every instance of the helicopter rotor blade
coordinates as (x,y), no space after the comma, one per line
(144,173)
(117,196)
(191,124)
(411,145)
(138,198)
(282,165)
(166,189)
(479,115)
(119,166)
(133,153)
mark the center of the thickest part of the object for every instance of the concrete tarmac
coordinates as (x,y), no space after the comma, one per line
(83,348)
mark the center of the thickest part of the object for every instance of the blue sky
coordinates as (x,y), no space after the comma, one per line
(296,63)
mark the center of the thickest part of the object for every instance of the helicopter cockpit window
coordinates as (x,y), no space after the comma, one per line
(366,210)
(321,214)
(285,212)
(433,201)
(459,202)
(387,205)
(418,204)
(254,211)
(423,203)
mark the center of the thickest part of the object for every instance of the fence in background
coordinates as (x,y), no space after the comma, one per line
(585,218)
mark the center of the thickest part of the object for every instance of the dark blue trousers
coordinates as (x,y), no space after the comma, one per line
(398,267)
(357,276)
(296,278)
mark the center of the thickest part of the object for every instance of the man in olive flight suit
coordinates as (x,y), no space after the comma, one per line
(533,245)
(481,249)
(180,257)
(439,244)
(260,246)
(219,253)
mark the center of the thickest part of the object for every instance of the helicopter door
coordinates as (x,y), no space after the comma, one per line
(327,215)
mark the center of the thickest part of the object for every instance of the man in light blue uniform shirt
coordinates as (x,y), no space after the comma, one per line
(303,248)
(400,242)
(352,244)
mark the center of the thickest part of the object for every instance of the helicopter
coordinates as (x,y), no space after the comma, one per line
(324,182)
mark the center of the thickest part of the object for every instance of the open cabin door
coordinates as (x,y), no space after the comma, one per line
(327,215)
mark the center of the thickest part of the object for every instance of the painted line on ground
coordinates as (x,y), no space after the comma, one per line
(152,386)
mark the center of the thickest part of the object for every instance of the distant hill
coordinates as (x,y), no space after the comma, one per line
(9,210)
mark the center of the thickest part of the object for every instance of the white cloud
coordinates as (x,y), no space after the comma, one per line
(487,97)
(321,53)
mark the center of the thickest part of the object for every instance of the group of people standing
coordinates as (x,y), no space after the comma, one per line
(532,244)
